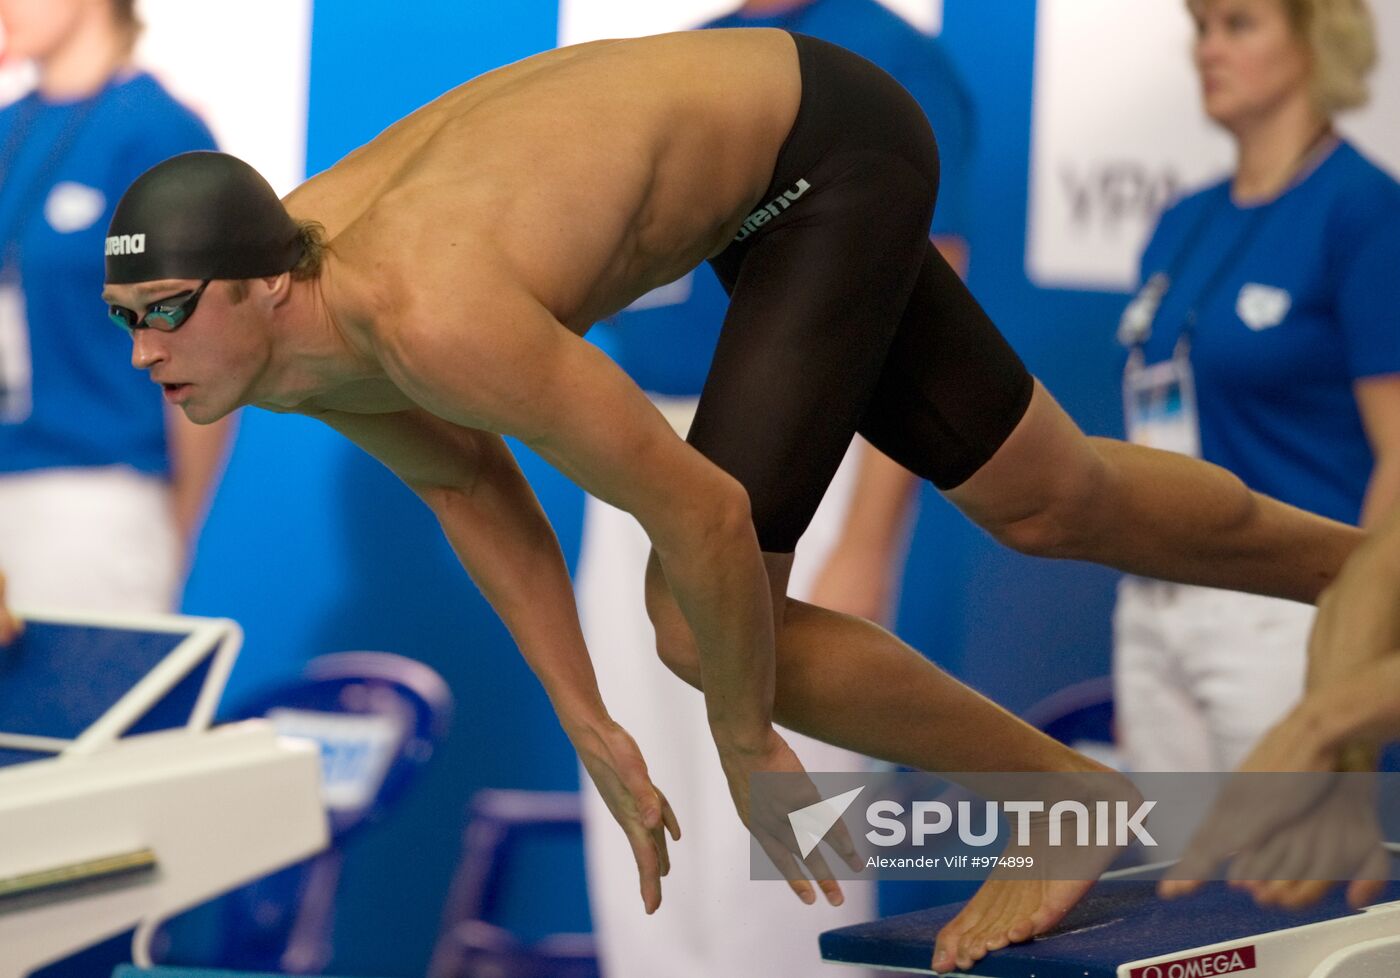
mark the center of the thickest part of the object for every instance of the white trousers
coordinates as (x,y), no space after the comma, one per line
(714,920)
(95,539)
(1200,674)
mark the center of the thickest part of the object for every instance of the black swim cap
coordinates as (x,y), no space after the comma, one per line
(200,215)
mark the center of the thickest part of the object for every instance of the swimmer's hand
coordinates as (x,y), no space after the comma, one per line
(767,820)
(612,760)
(10,625)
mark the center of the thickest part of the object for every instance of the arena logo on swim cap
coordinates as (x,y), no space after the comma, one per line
(1201,966)
(126,244)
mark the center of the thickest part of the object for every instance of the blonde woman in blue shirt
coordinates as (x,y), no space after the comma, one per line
(1266,339)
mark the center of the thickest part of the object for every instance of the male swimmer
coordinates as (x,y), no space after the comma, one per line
(462,254)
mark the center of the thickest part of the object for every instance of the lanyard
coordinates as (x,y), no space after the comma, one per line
(1141,316)
(58,153)
(1222,269)
(1140,319)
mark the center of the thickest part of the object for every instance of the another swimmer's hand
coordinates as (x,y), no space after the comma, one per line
(768,821)
(1283,791)
(1302,741)
(10,625)
(612,760)
(1338,841)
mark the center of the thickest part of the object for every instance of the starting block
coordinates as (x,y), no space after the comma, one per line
(1122,930)
(120,805)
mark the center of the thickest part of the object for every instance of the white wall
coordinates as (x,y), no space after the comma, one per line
(244,65)
(1118,127)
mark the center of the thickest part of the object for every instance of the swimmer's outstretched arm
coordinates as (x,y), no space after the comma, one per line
(512,367)
(495,524)
(515,369)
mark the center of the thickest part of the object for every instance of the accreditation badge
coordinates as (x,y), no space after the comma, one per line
(1159,404)
(16,376)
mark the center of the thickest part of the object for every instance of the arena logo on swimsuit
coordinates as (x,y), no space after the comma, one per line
(126,244)
(772,210)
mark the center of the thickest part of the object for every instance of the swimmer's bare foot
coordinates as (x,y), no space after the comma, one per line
(1002,912)
(1015,905)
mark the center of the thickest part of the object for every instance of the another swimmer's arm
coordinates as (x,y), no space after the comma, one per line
(1357,714)
(1378,400)
(1358,620)
(516,369)
(471,482)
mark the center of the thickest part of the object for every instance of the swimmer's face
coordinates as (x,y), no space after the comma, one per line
(1249,57)
(207,366)
(35,29)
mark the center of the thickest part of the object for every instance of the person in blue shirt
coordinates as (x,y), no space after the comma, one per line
(101,488)
(1266,339)
(715,919)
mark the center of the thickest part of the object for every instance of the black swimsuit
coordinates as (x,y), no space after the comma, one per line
(843,317)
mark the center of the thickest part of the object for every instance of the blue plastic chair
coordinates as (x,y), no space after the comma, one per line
(378,718)
(469,945)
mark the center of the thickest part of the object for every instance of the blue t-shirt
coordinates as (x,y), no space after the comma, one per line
(66,165)
(666,342)
(1291,301)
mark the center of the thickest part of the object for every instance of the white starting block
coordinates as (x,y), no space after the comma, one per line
(107,830)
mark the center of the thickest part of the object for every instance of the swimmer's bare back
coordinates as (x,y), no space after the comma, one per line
(587,175)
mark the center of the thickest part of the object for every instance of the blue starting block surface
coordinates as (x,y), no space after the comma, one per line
(93,678)
(1118,922)
(58,678)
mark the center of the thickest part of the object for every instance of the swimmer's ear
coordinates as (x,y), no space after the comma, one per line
(280,285)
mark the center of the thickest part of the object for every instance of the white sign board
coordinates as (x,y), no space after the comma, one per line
(1118,130)
(245,68)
